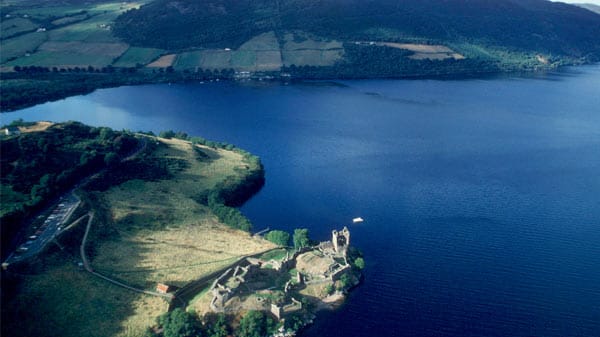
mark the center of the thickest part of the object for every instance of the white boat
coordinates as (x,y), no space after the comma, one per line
(357,220)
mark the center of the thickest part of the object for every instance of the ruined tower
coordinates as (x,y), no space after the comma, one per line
(341,240)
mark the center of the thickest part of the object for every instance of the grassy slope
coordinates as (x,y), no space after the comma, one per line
(145,232)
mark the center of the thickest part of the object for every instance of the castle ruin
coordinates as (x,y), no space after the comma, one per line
(341,241)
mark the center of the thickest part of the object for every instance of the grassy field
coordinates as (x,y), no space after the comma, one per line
(95,29)
(261,53)
(72,53)
(145,232)
(164,234)
(163,61)
(189,60)
(302,49)
(216,59)
(243,59)
(134,56)
(14,26)
(70,19)
(45,12)
(21,45)
(62,59)
(73,304)
(74,38)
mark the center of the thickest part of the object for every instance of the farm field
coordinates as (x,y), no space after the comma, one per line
(135,55)
(302,49)
(163,62)
(21,45)
(72,54)
(62,59)
(425,51)
(76,35)
(14,26)
(189,60)
(261,53)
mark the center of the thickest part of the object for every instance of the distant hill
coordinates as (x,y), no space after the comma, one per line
(519,25)
(591,7)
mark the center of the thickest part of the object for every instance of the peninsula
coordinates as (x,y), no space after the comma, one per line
(115,233)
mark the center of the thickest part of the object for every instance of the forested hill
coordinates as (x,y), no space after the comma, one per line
(524,25)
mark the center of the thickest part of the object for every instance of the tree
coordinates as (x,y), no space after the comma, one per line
(279,238)
(301,239)
(111,159)
(179,323)
(106,133)
(294,323)
(343,283)
(255,324)
(216,325)
(359,263)
(167,134)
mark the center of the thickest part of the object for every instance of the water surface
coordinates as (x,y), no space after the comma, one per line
(481,197)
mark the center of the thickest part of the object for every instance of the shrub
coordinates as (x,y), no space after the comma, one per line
(279,238)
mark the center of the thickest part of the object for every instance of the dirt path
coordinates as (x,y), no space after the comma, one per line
(88,267)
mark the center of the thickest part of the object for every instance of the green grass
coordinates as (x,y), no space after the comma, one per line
(45,12)
(266,41)
(88,30)
(164,234)
(313,57)
(216,59)
(21,45)
(243,59)
(69,19)
(268,60)
(135,55)
(302,49)
(189,60)
(277,254)
(66,59)
(74,303)
(306,41)
(76,47)
(14,26)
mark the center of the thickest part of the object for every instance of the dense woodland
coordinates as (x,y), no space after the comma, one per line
(525,25)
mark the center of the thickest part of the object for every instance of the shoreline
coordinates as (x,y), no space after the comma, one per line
(27,93)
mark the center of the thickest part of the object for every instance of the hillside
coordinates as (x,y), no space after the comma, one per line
(158,215)
(530,25)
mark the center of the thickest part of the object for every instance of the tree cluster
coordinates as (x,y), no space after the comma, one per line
(179,323)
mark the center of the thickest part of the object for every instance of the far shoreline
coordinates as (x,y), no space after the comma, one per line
(70,85)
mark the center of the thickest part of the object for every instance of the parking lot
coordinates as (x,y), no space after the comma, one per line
(41,234)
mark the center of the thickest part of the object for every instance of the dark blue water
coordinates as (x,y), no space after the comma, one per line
(481,197)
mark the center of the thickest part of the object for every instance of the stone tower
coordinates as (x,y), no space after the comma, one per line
(341,241)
